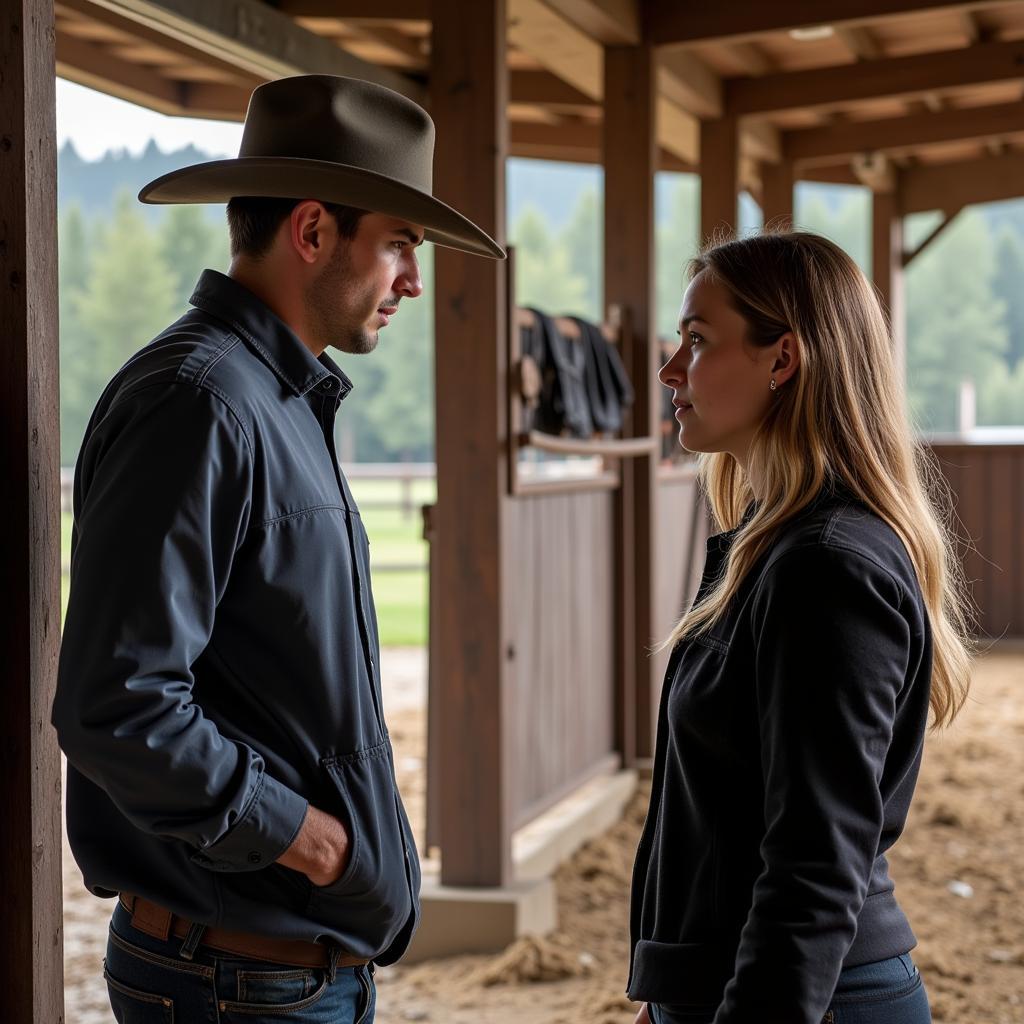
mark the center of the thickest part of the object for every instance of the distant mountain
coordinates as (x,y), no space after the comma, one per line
(94,184)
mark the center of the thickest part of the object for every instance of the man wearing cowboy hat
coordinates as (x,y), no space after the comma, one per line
(230,776)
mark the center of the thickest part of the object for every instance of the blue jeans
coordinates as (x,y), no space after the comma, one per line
(887,992)
(149,983)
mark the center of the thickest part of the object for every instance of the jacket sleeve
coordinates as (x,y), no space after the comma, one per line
(165,482)
(832,650)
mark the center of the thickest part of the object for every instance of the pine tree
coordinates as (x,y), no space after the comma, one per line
(1008,284)
(955,325)
(189,243)
(127,299)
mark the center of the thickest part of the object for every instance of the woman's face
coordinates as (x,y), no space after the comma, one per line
(720,381)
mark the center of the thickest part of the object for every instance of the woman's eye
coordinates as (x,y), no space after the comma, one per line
(695,338)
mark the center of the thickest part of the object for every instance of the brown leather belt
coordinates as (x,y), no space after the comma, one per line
(160,923)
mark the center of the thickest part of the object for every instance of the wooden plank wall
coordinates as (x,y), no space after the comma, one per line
(676,533)
(561,644)
(988,484)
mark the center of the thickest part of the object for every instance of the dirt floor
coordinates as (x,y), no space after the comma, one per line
(957,869)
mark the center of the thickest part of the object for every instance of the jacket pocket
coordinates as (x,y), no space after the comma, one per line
(372,900)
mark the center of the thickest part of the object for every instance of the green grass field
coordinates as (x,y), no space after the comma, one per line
(395,539)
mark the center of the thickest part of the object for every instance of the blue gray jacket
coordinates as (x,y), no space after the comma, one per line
(219,668)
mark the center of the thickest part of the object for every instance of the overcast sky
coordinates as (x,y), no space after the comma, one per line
(96,122)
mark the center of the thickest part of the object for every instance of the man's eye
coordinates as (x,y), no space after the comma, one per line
(695,338)
(399,245)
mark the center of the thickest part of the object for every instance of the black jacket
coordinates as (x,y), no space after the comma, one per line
(789,742)
(219,668)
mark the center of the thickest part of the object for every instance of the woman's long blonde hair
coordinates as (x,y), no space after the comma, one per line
(841,417)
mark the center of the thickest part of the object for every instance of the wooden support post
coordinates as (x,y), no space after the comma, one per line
(630,155)
(887,269)
(719,178)
(468,99)
(777,181)
(32,974)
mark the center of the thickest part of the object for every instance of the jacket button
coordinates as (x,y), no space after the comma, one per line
(254,857)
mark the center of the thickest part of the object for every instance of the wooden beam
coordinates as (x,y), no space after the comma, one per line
(256,38)
(99,15)
(468,99)
(901,134)
(676,22)
(760,140)
(887,270)
(909,255)
(915,75)
(383,11)
(542,88)
(567,51)
(93,66)
(214,101)
(614,22)
(687,81)
(407,51)
(753,58)
(987,179)
(32,971)
(631,76)
(874,171)
(777,183)
(719,177)
(861,44)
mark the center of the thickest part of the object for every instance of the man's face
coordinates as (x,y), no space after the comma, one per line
(361,285)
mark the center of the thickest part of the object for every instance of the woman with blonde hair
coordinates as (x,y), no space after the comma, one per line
(830,617)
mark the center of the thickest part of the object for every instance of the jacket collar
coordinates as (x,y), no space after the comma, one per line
(835,490)
(266,334)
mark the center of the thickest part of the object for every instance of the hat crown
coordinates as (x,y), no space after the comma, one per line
(343,121)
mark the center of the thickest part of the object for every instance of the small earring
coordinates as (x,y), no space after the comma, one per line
(773,385)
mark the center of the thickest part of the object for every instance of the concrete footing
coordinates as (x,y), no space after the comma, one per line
(464,920)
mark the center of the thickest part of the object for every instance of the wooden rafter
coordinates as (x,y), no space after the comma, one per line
(676,22)
(899,134)
(860,42)
(612,22)
(98,15)
(919,74)
(754,60)
(567,51)
(987,179)
(257,39)
(688,81)
(383,11)
(875,171)
(92,65)
(543,88)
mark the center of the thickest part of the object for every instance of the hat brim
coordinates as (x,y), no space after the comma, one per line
(217,181)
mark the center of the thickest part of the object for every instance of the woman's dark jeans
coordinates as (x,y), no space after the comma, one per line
(149,983)
(886,992)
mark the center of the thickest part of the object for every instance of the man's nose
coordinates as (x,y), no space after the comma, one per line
(409,283)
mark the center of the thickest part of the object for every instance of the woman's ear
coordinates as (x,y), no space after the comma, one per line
(787,357)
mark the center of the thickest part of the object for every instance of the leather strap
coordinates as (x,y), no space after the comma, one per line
(158,922)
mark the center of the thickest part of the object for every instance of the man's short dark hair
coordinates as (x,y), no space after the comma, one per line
(253,222)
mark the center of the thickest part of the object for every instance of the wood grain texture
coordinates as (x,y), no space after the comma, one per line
(31,976)
(630,146)
(562,673)
(988,487)
(468,97)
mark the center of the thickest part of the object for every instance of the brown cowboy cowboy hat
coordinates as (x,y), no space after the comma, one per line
(339,140)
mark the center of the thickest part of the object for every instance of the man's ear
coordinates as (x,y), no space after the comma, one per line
(309,231)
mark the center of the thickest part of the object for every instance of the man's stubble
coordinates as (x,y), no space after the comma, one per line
(338,310)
